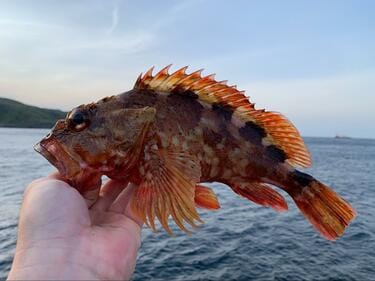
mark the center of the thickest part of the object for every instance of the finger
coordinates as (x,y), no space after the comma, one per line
(108,194)
(91,192)
(90,195)
(40,181)
(122,200)
(53,176)
(130,214)
(41,207)
(122,204)
(56,175)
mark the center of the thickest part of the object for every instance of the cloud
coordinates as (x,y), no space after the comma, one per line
(60,57)
(24,23)
(127,44)
(322,106)
(328,94)
(115,18)
(176,12)
(55,48)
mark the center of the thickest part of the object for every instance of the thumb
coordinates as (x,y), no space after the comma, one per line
(48,206)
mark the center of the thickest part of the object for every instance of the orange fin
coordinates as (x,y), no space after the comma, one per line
(261,194)
(280,131)
(167,189)
(325,209)
(206,198)
(283,134)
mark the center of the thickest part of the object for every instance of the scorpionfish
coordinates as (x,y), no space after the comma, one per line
(172,132)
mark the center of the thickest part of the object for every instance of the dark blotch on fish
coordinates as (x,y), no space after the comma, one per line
(139,98)
(185,93)
(302,178)
(252,132)
(275,153)
(189,109)
(224,110)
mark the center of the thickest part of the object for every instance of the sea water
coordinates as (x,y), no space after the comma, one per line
(241,241)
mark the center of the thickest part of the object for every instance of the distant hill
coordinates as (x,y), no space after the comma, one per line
(19,115)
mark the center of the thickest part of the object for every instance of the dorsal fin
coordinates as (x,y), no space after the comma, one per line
(280,131)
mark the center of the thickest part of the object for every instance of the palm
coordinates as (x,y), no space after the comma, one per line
(104,238)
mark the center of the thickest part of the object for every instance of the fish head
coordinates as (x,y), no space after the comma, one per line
(96,139)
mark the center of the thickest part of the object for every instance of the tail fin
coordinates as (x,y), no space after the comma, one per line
(325,209)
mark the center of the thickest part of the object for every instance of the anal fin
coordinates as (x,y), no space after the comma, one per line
(206,198)
(260,193)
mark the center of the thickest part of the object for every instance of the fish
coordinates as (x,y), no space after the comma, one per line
(174,133)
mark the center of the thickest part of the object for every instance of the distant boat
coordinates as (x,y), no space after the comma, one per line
(341,137)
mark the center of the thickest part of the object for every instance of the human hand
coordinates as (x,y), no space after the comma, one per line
(59,237)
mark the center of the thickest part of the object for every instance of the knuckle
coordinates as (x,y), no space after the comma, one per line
(42,182)
(33,185)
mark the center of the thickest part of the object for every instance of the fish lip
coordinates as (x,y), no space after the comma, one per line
(58,157)
(46,154)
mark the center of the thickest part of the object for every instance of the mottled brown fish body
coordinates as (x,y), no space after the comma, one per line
(224,150)
(174,131)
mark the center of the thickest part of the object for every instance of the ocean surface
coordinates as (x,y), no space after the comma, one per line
(241,241)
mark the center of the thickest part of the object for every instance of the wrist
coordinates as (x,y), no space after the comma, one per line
(71,259)
(52,272)
(49,263)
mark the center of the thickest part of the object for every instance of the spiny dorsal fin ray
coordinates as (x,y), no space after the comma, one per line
(280,131)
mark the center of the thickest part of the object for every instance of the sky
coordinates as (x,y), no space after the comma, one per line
(314,61)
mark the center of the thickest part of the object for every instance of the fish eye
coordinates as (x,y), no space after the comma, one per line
(78,120)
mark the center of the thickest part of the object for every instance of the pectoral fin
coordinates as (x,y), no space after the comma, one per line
(168,189)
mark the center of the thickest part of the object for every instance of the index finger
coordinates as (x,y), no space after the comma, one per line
(90,195)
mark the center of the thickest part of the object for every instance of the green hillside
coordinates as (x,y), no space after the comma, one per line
(19,115)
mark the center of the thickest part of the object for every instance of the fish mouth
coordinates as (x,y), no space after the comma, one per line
(53,151)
